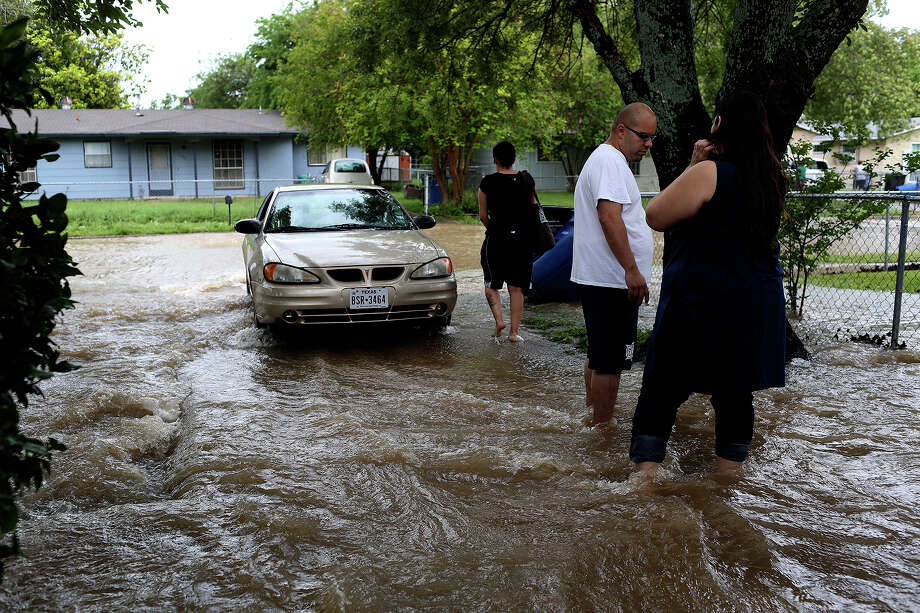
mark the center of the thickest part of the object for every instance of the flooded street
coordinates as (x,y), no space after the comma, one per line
(214,467)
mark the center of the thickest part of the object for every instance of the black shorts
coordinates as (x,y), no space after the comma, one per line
(506,260)
(611,319)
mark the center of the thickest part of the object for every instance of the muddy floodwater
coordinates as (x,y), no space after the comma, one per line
(214,467)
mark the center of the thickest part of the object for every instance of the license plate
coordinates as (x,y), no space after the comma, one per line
(369,298)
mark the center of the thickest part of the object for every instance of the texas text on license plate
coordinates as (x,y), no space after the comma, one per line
(368,298)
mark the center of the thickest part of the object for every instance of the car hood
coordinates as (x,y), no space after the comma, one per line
(353,247)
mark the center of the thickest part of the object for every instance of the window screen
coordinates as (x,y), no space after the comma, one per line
(97,154)
(228,164)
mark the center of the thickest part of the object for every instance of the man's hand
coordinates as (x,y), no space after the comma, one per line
(636,287)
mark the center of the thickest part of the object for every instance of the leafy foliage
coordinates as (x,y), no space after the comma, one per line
(875,77)
(34,267)
(812,225)
(225,85)
(88,69)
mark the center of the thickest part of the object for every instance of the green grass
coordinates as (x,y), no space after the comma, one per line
(565,332)
(868,258)
(126,217)
(123,217)
(557,198)
(883,281)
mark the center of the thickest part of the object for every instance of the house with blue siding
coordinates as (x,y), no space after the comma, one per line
(190,153)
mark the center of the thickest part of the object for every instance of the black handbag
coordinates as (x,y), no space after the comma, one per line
(542,239)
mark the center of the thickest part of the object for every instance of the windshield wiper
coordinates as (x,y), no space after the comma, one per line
(293,229)
(346,226)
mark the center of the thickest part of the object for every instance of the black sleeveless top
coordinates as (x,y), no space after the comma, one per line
(508,199)
(721,322)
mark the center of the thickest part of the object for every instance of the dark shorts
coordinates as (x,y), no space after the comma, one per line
(506,260)
(611,319)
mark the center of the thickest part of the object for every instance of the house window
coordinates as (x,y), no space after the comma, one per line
(848,148)
(318,155)
(228,164)
(97,154)
(28,176)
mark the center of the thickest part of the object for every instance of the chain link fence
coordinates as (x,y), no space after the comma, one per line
(866,284)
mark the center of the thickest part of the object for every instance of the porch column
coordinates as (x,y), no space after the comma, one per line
(128,142)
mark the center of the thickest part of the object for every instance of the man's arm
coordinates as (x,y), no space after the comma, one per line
(610,215)
(483,209)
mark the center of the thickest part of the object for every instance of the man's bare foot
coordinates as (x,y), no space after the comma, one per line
(498,328)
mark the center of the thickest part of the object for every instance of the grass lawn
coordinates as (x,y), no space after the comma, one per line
(883,281)
(869,258)
(124,217)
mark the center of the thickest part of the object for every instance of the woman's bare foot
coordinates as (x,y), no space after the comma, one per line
(514,337)
(498,329)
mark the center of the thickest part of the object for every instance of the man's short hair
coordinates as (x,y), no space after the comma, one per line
(504,154)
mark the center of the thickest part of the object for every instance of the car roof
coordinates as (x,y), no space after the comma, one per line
(325,186)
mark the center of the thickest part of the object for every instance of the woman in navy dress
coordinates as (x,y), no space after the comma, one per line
(720,324)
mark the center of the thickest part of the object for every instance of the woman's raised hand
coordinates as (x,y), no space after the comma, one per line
(701,150)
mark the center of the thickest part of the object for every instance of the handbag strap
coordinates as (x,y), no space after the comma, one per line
(534,188)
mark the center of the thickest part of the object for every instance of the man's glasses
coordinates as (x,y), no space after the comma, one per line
(643,135)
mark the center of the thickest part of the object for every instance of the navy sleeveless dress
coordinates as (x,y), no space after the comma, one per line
(721,323)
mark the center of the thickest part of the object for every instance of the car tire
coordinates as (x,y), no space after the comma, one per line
(248,286)
(255,320)
(437,325)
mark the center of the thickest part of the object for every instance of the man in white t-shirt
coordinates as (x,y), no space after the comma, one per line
(612,254)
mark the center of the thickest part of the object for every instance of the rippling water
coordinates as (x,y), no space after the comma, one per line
(214,467)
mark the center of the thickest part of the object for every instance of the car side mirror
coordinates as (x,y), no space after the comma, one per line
(248,226)
(424,221)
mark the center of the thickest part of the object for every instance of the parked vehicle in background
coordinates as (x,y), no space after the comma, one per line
(347,170)
(815,170)
(340,254)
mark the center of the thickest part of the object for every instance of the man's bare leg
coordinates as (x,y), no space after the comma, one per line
(495,304)
(603,397)
(517,310)
(588,373)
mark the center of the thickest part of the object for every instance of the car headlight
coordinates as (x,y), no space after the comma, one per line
(440,267)
(282,273)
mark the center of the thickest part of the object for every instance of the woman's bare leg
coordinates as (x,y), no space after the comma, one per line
(495,304)
(517,310)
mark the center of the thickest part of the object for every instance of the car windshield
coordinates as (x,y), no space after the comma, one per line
(349,166)
(336,209)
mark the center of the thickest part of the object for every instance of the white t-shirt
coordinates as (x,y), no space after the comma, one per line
(606,176)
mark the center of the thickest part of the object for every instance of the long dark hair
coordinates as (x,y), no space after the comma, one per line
(744,137)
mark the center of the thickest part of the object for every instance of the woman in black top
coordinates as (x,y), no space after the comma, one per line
(720,327)
(506,201)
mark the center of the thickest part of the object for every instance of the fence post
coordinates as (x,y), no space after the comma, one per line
(887,224)
(899,282)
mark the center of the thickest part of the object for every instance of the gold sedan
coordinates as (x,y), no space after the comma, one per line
(338,254)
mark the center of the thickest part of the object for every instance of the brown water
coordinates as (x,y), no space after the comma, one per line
(215,468)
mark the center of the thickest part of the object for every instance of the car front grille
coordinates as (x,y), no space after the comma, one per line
(397,313)
(387,273)
(346,275)
(356,275)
